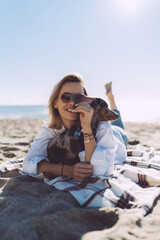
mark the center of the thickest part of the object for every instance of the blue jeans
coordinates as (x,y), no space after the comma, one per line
(118,124)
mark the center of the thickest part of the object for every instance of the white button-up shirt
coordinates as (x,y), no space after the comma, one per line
(110,149)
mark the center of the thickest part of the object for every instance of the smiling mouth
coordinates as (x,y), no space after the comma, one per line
(70,110)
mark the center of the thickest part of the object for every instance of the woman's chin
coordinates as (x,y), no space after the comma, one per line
(73,116)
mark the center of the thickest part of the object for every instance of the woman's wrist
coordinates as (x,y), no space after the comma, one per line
(53,169)
(88,137)
(68,170)
(87,130)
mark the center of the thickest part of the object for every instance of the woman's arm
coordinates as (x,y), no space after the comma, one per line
(79,171)
(37,151)
(89,144)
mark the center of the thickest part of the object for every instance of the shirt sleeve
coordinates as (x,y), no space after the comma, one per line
(109,150)
(37,151)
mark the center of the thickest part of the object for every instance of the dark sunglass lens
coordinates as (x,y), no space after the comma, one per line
(78,97)
(65,97)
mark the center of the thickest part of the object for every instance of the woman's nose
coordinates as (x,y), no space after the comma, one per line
(71,102)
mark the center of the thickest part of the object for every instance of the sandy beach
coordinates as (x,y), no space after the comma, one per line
(30,209)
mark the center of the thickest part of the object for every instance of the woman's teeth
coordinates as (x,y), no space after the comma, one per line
(71,110)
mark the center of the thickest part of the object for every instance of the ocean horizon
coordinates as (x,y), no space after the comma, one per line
(41,112)
(23,111)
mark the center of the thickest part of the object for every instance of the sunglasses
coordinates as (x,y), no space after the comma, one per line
(66,97)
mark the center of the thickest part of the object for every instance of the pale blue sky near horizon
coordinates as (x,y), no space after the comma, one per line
(104,40)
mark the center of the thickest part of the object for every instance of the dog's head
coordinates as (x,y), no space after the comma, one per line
(101,110)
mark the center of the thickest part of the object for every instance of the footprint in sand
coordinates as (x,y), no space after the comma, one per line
(134,142)
(10,149)
(2,148)
(9,155)
(17,136)
(23,143)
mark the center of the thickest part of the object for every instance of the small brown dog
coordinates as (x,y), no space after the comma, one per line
(64,148)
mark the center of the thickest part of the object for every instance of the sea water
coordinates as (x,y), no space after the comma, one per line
(20,112)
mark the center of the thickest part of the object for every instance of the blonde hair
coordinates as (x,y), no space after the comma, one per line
(55,120)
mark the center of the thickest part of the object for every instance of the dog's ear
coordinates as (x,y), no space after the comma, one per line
(89,100)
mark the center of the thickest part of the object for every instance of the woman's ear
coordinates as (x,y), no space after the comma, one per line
(55,104)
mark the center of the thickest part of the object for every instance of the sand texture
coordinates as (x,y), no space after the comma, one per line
(30,209)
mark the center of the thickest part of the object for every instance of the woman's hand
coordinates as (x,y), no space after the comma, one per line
(81,171)
(86,113)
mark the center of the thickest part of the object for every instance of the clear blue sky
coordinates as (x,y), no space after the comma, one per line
(104,40)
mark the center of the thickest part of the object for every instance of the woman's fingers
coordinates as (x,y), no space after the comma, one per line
(82,177)
(83,107)
(84,165)
(82,171)
(85,171)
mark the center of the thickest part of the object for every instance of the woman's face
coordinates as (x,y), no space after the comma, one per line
(65,107)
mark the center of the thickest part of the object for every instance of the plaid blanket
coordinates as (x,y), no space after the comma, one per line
(134,184)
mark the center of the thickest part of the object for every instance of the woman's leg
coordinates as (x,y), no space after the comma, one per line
(113,105)
(117,123)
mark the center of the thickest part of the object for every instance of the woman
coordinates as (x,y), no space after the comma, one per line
(99,154)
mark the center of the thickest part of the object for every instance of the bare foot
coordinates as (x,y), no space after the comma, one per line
(110,95)
(108,88)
